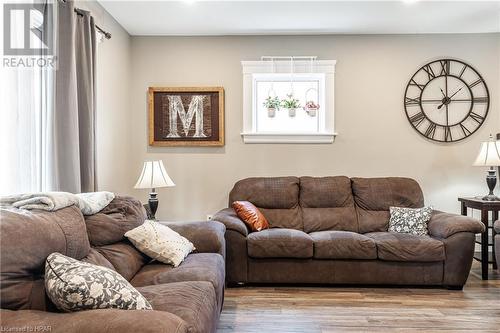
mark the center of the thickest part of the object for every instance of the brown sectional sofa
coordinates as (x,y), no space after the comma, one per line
(185,299)
(334,230)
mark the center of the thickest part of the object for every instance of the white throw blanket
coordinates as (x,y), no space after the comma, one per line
(89,203)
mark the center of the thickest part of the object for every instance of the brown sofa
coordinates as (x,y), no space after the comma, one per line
(334,230)
(497,241)
(185,299)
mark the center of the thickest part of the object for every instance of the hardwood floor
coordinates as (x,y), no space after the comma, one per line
(346,309)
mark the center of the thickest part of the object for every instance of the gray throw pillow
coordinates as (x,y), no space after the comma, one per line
(73,285)
(410,220)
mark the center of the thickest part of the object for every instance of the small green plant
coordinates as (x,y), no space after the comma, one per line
(290,102)
(272,102)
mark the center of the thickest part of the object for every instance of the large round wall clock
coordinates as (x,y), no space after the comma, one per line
(446,100)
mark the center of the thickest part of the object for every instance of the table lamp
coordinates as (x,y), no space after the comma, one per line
(489,155)
(153,175)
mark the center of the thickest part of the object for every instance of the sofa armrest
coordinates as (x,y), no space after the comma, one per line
(497,227)
(206,236)
(444,225)
(97,321)
(232,222)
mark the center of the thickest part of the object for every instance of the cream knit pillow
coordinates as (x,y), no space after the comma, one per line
(160,242)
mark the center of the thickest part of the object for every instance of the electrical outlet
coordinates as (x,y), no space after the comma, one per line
(209,217)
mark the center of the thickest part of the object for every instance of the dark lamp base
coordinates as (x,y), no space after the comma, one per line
(491,180)
(490,197)
(153,204)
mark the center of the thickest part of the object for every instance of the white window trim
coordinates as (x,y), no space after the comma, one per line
(250,134)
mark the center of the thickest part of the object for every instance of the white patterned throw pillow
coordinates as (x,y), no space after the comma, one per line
(73,285)
(160,242)
(410,220)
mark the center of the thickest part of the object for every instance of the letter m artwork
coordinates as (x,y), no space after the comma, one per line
(186,116)
(177,115)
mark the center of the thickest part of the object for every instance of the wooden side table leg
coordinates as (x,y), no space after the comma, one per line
(493,233)
(464,209)
(484,245)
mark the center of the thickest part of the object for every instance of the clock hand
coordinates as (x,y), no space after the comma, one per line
(456,92)
(442,92)
(448,100)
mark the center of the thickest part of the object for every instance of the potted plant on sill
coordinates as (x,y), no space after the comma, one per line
(290,103)
(272,104)
(311,108)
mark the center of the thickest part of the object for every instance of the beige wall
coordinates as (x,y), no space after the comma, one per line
(375,139)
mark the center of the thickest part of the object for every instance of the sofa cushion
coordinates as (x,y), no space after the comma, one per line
(393,246)
(197,267)
(280,243)
(110,224)
(74,285)
(276,197)
(327,204)
(374,196)
(343,245)
(283,218)
(194,302)
(410,220)
(160,242)
(251,215)
(267,192)
(29,237)
(124,257)
(96,258)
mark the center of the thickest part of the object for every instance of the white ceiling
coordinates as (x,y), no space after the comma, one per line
(174,18)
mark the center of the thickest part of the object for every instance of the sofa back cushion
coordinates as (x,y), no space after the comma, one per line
(374,196)
(27,238)
(106,231)
(327,204)
(110,224)
(276,197)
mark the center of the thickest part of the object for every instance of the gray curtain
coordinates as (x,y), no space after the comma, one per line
(72,153)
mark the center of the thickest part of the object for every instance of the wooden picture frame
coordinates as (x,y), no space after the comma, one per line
(186,116)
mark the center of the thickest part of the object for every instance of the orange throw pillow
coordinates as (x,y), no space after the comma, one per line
(251,215)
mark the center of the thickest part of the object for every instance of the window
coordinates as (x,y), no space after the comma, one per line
(299,96)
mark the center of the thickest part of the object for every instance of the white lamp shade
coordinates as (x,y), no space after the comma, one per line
(154,175)
(489,154)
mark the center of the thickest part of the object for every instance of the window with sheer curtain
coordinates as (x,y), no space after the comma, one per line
(47,113)
(25,100)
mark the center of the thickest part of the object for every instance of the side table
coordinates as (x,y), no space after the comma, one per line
(487,238)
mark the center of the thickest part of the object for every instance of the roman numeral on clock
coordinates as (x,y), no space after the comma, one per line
(418,85)
(476,117)
(475,83)
(430,72)
(417,119)
(462,71)
(465,130)
(430,131)
(412,101)
(445,67)
(447,134)
(480,99)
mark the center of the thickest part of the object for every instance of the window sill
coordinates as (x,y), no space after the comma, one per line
(308,138)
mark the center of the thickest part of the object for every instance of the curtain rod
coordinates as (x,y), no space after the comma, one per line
(104,32)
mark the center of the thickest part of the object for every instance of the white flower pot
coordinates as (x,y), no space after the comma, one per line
(311,112)
(271,112)
(292,112)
